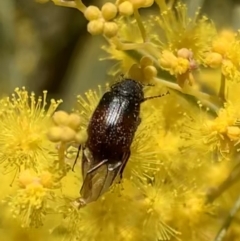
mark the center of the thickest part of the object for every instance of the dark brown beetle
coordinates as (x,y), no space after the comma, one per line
(110,134)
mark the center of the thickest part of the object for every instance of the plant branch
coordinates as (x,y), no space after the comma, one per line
(223,230)
(221,93)
(140,25)
(203,97)
(63,3)
(227,183)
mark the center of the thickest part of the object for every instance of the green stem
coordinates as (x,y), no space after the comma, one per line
(61,156)
(223,230)
(227,183)
(161,4)
(63,3)
(140,24)
(203,97)
(80,6)
(221,93)
(127,46)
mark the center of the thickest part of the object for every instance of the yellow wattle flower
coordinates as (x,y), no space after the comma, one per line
(23,121)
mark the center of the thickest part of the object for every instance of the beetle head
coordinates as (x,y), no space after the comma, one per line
(129,88)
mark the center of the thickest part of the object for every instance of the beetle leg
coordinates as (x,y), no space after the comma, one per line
(112,171)
(95,183)
(146,85)
(112,167)
(79,149)
(99,181)
(125,160)
(87,161)
(99,178)
(97,166)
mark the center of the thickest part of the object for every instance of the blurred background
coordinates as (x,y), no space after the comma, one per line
(43,46)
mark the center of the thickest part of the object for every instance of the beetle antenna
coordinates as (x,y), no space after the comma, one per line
(75,162)
(146,85)
(157,96)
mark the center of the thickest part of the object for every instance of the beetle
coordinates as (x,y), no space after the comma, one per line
(110,134)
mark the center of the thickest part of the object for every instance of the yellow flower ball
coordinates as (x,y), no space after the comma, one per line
(109,11)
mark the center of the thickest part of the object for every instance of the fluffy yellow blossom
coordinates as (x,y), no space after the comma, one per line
(158,204)
(182,32)
(219,133)
(30,201)
(197,218)
(225,53)
(168,61)
(213,59)
(23,120)
(230,71)
(222,43)
(87,105)
(110,212)
(172,56)
(144,162)
(218,172)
